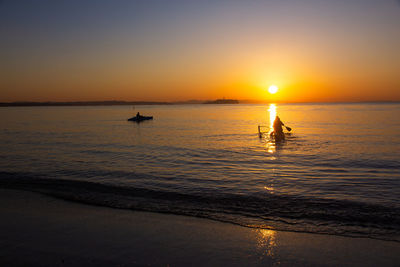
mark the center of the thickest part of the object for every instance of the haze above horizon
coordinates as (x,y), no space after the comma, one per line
(314,51)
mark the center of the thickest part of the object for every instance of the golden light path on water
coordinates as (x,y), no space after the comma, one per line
(266,238)
(271,148)
(266,241)
(272,115)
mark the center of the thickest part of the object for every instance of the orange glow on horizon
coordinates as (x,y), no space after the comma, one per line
(244,76)
(152,57)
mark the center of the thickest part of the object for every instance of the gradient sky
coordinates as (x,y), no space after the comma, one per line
(337,50)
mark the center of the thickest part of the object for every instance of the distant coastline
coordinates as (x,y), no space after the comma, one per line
(188,102)
(223,101)
(81,103)
(113,103)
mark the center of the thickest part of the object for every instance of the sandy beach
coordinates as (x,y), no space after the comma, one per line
(37,230)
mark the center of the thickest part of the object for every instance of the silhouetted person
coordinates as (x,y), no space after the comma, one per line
(278,131)
(138,115)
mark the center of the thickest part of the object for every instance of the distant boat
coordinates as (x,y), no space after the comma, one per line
(140,118)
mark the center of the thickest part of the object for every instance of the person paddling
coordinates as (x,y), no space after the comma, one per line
(278,131)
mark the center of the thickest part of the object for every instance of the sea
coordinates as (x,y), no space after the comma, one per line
(337,172)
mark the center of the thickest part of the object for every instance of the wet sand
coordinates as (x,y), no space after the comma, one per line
(37,230)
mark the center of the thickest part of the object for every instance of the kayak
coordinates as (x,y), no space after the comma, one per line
(277,137)
(141,118)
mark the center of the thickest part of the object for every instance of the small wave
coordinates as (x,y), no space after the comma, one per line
(361,163)
(280,212)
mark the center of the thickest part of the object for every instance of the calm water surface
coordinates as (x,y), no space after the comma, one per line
(337,173)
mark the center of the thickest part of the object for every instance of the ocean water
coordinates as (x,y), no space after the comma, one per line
(338,172)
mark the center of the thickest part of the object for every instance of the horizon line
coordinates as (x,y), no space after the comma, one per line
(181,102)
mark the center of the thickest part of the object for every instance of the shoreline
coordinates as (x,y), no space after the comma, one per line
(115,197)
(42,230)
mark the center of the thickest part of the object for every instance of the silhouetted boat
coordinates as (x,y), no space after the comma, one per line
(277,137)
(140,118)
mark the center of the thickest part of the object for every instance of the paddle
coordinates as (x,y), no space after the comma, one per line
(288,128)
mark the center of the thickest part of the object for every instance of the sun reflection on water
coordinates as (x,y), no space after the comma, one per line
(272,115)
(266,241)
(270,189)
(271,147)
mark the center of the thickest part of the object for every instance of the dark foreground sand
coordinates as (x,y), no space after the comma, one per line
(36,230)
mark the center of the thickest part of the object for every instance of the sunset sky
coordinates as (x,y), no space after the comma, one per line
(344,50)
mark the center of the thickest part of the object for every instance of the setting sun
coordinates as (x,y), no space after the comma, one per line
(273,89)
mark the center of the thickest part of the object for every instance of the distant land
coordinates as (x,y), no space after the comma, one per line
(187,102)
(114,103)
(82,103)
(223,101)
